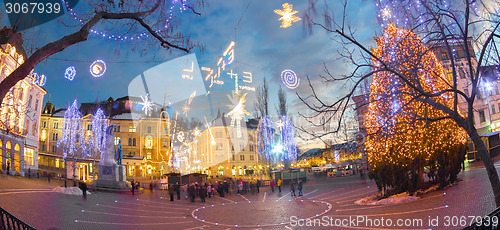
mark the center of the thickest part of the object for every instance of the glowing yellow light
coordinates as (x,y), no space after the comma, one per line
(287,15)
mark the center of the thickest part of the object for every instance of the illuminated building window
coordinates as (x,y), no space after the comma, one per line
(149,142)
(28,156)
(131,129)
(43,136)
(57,163)
(117,139)
(148,156)
(131,170)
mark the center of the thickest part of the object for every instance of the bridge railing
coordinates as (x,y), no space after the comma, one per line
(10,222)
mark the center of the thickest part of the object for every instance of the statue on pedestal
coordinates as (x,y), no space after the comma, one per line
(119,154)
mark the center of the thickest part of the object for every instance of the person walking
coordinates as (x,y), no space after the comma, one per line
(48,177)
(271,184)
(192,192)
(279,185)
(171,191)
(133,187)
(29,173)
(178,190)
(258,186)
(300,188)
(151,186)
(83,187)
(203,193)
(292,188)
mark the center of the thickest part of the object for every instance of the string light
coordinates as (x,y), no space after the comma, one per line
(72,132)
(170,19)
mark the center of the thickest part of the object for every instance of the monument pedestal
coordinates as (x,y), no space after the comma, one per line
(111,178)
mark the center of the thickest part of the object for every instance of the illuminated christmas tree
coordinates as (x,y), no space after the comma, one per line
(406,135)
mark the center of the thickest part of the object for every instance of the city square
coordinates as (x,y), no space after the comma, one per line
(196,114)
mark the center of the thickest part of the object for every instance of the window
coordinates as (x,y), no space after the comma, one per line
(43,136)
(56,125)
(252,157)
(148,156)
(462,73)
(36,105)
(482,117)
(164,130)
(117,139)
(149,142)
(149,129)
(493,109)
(54,148)
(131,129)
(44,124)
(43,147)
(28,156)
(34,128)
(29,101)
(133,142)
(165,143)
(54,136)
(130,142)
(116,129)
(242,157)
(57,163)
(233,157)
(89,127)
(218,146)
(27,127)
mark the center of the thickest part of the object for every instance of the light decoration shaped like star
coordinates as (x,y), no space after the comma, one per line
(186,108)
(238,110)
(386,13)
(147,104)
(196,132)
(287,15)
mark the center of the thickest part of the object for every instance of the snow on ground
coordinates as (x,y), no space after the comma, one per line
(394,199)
(69,190)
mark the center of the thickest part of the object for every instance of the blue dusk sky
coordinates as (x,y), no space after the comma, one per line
(261,48)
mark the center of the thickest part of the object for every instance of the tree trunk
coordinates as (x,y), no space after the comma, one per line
(488,164)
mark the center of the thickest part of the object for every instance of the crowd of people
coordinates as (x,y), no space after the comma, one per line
(195,190)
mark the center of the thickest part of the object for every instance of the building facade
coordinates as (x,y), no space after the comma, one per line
(221,153)
(20,110)
(145,140)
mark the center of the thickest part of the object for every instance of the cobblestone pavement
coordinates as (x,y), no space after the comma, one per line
(327,201)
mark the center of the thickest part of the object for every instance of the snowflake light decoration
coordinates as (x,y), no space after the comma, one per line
(287,15)
(147,104)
